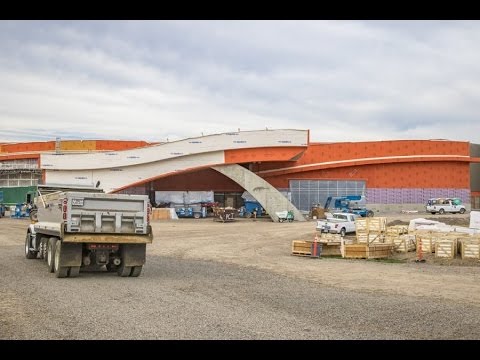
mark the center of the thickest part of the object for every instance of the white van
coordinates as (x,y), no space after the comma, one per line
(445,205)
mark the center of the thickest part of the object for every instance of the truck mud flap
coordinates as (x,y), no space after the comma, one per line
(133,254)
(71,254)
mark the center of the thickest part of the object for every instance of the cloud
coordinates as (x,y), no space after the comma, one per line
(152,80)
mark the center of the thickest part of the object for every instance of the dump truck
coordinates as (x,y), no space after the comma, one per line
(75,230)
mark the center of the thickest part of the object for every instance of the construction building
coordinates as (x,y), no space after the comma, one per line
(393,174)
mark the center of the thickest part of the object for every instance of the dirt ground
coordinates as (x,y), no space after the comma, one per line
(262,244)
(211,280)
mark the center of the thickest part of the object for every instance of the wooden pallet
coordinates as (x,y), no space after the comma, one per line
(364,251)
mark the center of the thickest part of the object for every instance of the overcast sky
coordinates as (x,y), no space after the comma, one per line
(153,80)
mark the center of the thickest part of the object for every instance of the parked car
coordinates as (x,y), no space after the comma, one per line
(445,205)
(339,223)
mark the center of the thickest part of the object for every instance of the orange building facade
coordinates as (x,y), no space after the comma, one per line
(396,171)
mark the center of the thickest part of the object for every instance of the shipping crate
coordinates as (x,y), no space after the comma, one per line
(364,251)
(405,243)
(469,248)
(161,214)
(445,248)
(397,230)
(371,224)
(331,248)
(325,237)
(304,248)
(371,238)
(426,242)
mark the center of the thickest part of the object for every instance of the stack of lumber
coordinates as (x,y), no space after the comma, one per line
(370,230)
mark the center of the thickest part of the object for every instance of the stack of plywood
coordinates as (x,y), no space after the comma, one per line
(370,230)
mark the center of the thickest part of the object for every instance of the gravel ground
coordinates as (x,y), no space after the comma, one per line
(204,296)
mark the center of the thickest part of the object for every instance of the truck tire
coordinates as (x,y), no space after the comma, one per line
(343,232)
(441,211)
(29,254)
(124,271)
(51,253)
(370,213)
(136,270)
(60,271)
(462,211)
(74,271)
(111,267)
(33,215)
(42,249)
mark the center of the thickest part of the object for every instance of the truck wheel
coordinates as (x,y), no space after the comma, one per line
(33,215)
(343,232)
(370,213)
(124,271)
(42,249)
(74,271)
(29,254)
(60,271)
(462,211)
(51,253)
(441,211)
(136,270)
(111,267)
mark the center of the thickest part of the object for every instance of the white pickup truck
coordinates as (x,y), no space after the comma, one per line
(339,223)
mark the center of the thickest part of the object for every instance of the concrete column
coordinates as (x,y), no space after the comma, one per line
(270,198)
